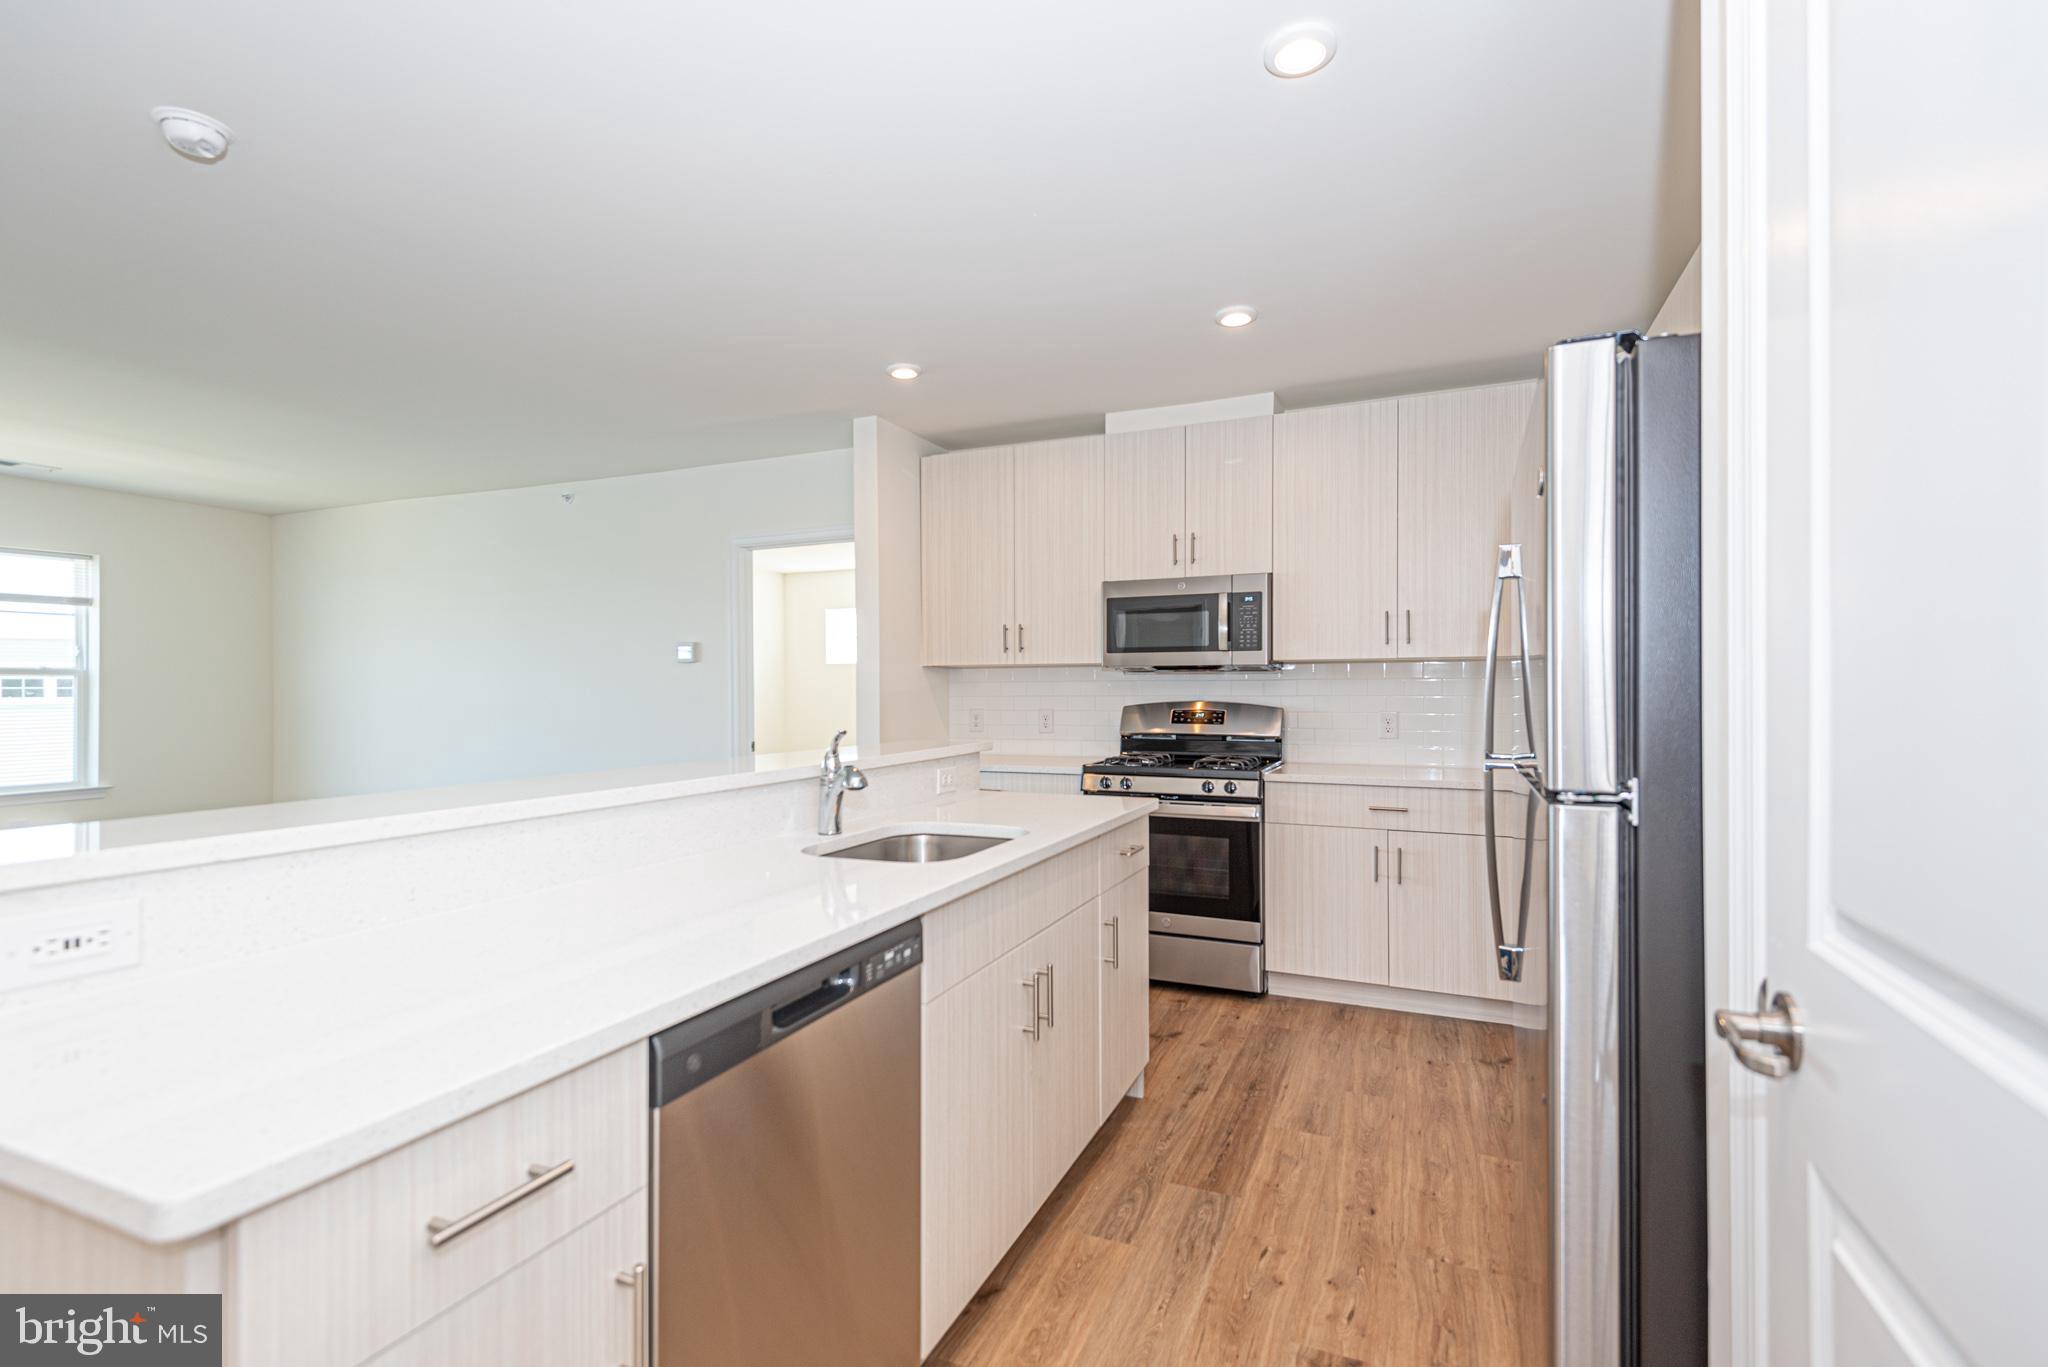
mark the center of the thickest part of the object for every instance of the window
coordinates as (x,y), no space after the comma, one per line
(841,636)
(46,661)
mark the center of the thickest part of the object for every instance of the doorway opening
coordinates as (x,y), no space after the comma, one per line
(795,607)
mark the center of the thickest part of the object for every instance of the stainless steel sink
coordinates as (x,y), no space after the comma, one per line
(918,847)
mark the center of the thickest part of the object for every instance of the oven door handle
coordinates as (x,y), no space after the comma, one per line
(1209,811)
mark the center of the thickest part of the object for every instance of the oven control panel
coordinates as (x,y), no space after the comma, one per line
(1247,621)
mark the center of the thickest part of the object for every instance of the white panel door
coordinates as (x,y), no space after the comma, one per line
(1059,552)
(1230,496)
(1892,464)
(1144,504)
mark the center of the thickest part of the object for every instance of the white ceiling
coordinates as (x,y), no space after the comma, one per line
(468,245)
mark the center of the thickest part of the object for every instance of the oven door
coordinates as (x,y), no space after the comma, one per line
(1166,623)
(1205,871)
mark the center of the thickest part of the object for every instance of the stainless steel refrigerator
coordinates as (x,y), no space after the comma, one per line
(1592,701)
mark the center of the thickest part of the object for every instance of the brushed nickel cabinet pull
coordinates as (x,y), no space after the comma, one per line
(1020,638)
(1116,943)
(1387,627)
(1400,864)
(1375,863)
(1129,851)
(1030,985)
(1048,996)
(1176,548)
(1370,808)
(1006,638)
(1191,548)
(637,1279)
(440,1231)
(1408,618)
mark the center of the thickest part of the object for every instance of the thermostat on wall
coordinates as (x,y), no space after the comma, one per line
(686,653)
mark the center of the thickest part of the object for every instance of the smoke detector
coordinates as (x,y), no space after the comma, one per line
(192,135)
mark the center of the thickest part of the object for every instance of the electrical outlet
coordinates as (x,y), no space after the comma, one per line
(1045,721)
(973,721)
(70,944)
(1390,725)
(946,776)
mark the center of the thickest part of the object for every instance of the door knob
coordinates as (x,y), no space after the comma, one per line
(1771,1039)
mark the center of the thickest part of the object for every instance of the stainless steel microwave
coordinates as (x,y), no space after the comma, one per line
(1218,621)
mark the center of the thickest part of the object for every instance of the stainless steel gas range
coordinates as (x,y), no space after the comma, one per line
(1207,764)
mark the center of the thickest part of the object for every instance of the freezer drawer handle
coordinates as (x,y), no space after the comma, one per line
(440,1231)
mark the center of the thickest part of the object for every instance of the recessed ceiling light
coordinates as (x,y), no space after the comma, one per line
(903,370)
(192,135)
(1300,50)
(1236,316)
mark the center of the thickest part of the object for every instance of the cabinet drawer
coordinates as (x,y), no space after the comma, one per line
(1450,811)
(567,1307)
(963,937)
(1125,851)
(361,1240)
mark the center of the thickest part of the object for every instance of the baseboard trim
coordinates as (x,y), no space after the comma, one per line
(1521,1015)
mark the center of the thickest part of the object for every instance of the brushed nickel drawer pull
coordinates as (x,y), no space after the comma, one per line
(1129,850)
(1371,808)
(440,1231)
(637,1279)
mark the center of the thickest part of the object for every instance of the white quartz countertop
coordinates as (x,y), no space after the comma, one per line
(1037,764)
(173,1108)
(1385,776)
(73,851)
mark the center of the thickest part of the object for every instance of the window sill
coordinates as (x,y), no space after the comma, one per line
(70,792)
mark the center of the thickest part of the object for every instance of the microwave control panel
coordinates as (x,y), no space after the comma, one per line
(1247,621)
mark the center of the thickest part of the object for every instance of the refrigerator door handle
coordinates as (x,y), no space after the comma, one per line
(1509,953)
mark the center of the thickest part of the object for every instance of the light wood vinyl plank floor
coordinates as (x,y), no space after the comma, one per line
(1303,1183)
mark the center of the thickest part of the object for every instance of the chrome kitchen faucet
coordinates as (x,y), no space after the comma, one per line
(835,780)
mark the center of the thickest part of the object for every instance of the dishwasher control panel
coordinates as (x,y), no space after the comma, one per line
(887,963)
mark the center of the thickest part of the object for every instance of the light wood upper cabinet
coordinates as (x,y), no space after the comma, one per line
(1230,496)
(968,507)
(1326,902)
(1144,504)
(1459,450)
(1059,552)
(1335,494)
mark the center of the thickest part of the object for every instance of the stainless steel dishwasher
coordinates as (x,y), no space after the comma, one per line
(786,1137)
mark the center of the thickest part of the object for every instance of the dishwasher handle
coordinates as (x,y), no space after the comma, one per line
(794,1015)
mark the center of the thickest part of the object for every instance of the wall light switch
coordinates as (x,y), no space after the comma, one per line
(686,653)
(1390,725)
(1045,721)
(973,721)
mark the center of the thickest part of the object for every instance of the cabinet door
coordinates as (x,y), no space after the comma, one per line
(979,1178)
(564,1307)
(1059,552)
(1126,988)
(1440,936)
(1326,902)
(1336,494)
(1144,504)
(1067,1086)
(1458,454)
(969,557)
(1230,496)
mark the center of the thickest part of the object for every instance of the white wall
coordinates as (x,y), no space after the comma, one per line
(184,681)
(900,700)
(481,636)
(817,698)
(768,660)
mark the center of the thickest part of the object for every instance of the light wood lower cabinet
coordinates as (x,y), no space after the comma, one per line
(1326,902)
(1387,887)
(1126,988)
(574,1304)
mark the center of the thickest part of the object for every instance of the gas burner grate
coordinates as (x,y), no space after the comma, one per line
(1236,764)
(1143,759)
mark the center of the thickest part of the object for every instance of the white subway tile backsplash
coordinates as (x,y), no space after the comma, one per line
(1333,710)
